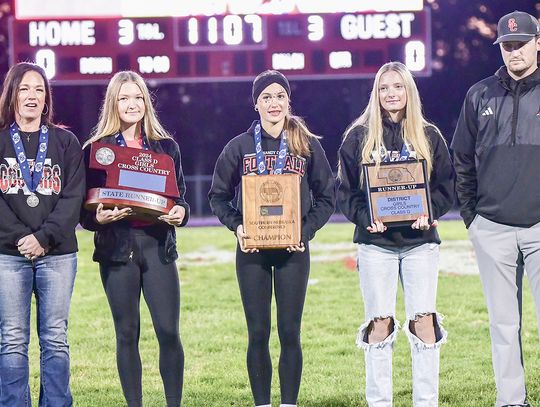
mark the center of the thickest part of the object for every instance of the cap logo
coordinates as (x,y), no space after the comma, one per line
(512,25)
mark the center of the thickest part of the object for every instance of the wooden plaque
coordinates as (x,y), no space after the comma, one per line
(271,210)
(140,179)
(398,192)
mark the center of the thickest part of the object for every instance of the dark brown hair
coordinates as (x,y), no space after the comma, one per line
(8,99)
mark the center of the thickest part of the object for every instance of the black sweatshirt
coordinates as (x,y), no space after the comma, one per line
(238,158)
(60,194)
(496,149)
(352,198)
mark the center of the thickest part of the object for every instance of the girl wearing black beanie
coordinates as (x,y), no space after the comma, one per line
(285,271)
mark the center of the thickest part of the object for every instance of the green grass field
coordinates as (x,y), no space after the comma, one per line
(214,334)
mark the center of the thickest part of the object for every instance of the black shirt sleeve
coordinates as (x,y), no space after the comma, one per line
(351,197)
(94,179)
(322,187)
(463,146)
(466,185)
(177,158)
(442,179)
(224,182)
(464,139)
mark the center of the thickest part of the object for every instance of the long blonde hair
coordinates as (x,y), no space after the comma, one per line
(109,118)
(413,123)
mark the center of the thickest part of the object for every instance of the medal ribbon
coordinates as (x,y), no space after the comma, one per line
(403,155)
(405,152)
(31,181)
(121,141)
(283,149)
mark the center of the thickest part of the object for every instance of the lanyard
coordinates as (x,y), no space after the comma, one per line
(121,141)
(31,180)
(403,155)
(283,149)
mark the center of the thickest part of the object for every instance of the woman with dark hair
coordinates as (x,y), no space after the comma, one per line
(277,143)
(135,256)
(41,190)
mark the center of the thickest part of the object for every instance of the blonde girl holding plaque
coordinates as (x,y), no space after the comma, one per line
(392,128)
(137,257)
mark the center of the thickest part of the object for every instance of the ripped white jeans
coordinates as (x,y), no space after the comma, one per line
(379,270)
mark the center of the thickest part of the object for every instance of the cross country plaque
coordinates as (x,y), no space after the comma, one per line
(398,192)
(271,210)
(140,179)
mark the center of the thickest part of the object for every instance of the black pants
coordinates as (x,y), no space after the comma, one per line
(289,273)
(159,283)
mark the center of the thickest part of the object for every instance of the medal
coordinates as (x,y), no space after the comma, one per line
(105,156)
(259,153)
(32,201)
(33,179)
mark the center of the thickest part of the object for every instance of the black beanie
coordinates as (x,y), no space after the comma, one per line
(267,78)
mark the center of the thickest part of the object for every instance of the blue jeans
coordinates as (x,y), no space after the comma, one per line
(380,269)
(51,278)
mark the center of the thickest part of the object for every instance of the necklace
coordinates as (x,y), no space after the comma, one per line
(27,134)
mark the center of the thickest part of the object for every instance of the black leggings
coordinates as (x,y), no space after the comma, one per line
(289,272)
(159,283)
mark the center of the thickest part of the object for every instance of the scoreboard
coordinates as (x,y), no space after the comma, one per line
(81,41)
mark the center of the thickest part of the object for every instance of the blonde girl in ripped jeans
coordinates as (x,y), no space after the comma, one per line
(392,128)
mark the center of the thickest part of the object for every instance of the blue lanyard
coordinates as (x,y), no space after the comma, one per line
(121,141)
(403,155)
(31,181)
(283,149)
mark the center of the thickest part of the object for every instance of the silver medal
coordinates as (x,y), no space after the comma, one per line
(105,156)
(32,201)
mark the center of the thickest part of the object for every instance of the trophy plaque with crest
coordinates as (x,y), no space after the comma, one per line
(398,192)
(140,179)
(271,210)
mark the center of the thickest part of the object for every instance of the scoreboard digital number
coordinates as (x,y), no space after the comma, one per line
(223,47)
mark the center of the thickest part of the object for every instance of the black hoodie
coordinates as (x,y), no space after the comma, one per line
(496,150)
(352,198)
(238,158)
